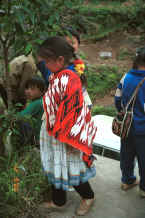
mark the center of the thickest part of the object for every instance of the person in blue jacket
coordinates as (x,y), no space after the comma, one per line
(134,145)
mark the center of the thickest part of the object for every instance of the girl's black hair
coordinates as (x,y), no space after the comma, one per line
(56,46)
(139,61)
(36,81)
(84,80)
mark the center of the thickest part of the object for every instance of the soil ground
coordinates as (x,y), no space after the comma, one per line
(116,43)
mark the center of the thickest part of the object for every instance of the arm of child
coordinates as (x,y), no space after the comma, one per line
(33,108)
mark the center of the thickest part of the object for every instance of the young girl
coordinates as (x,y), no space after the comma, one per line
(77,65)
(67,132)
(134,145)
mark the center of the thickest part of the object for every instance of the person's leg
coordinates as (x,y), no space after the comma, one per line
(26,136)
(58,196)
(84,190)
(127,160)
(87,195)
(140,148)
(58,199)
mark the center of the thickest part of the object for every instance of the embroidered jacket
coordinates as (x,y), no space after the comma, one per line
(77,66)
(68,118)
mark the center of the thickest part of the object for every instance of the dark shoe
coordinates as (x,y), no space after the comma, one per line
(125,186)
(85,206)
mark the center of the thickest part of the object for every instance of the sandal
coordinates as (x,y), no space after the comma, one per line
(85,206)
(125,186)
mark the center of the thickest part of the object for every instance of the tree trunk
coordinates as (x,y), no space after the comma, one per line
(7,77)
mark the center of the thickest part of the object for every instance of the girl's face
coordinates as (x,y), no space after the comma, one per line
(55,65)
(73,42)
(33,93)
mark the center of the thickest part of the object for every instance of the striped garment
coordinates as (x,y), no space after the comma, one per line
(62,164)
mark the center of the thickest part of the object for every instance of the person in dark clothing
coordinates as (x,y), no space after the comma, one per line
(134,145)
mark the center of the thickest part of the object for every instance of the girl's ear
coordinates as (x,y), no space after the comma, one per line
(61,60)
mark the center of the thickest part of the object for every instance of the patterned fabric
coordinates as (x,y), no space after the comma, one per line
(78,66)
(68,117)
(62,163)
(87,99)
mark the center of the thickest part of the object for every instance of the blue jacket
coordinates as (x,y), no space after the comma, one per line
(44,71)
(124,92)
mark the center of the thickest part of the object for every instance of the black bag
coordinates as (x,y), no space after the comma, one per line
(122,122)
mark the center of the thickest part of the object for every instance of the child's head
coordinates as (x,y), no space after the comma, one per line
(34,88)
(73,38)
(139,61)
(56,52)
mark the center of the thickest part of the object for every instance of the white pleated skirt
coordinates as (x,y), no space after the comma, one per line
(62,163)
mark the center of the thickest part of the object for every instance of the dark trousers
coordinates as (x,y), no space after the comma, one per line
(131,148)
(59,196)
(26,133)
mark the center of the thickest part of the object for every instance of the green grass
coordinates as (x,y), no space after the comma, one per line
(124,53)
(102,79)
(110,111)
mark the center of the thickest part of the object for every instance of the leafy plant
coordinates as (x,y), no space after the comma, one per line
(10,133)
(110,111)
(22,183)
(124,53)
(102,79)
(25,23)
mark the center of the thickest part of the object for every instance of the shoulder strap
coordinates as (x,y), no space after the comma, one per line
(133,97)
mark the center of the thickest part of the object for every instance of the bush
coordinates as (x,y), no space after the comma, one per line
(110,111)
(102,79)
(22,183)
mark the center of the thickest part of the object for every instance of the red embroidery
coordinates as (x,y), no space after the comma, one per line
(68,118)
